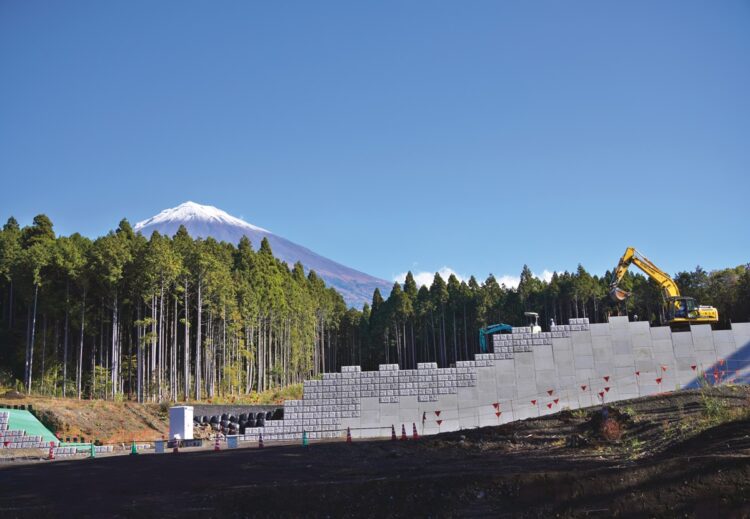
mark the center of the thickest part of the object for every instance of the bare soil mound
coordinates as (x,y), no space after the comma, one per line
(685,454)
(108,422)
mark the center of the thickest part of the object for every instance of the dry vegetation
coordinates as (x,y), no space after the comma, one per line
(115,422)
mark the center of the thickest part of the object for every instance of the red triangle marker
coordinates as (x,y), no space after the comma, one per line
(550,391)
(693,367)
(583,387)
(496,405)
(498,414)
(549,406)
(601,394)
(439,422)
(637,373)
(664,368)
(437,413)
(658,380)
(606,379)
(533,402)
(606,389)
(557,400)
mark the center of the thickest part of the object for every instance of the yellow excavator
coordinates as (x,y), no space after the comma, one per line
(680,311)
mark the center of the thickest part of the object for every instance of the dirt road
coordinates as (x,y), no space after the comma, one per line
(556,466)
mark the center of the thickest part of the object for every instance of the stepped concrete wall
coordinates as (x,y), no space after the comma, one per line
(527,375)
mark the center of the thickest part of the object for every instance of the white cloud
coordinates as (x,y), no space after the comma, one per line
(425,277)
(513,281)
(509,281)
(546,275)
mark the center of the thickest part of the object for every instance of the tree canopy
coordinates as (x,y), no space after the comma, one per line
(176,318)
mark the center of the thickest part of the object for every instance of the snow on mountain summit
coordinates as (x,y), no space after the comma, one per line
(202,221)
(189,211)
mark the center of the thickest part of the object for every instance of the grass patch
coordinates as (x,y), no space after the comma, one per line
(634,448)
(717,411)
(271,396)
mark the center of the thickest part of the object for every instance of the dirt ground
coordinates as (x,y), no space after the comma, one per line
(685,454)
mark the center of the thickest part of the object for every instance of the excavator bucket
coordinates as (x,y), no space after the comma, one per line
(618,294)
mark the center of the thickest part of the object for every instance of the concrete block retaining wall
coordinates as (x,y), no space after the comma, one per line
(17,438)
(527,375)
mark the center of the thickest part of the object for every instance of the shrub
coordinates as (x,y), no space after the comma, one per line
(611,429)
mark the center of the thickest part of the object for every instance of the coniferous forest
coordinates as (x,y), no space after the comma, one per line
(161,318)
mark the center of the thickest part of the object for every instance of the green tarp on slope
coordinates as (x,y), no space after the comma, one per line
(25,420)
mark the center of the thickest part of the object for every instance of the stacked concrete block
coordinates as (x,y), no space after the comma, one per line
(388,376)
(564,362)
(679,355)
(705,351)
(724,343)
(65,452)
(486,390)
(17,438)
(427,382)
(574,325)
(527,375)
(741,336)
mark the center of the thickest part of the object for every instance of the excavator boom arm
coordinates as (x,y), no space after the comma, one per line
(632,256)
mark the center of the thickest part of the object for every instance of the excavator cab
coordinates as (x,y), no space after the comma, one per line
(682,308)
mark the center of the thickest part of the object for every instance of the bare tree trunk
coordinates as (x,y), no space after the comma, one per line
(455,338)
(44,348)
(198,348)
(139,356)
(223,344)
(79,370)
(160,349)
(261,334)
(269,354)
(323,343)
(130,363)
(115,353)
(186,359)
(10,306)
(173,367)
(30,358)
(65,340)
(466,341)
(248,364)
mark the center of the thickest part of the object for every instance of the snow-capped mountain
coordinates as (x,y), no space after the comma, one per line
(202,221)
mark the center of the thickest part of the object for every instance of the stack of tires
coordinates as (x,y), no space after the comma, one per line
(231,424)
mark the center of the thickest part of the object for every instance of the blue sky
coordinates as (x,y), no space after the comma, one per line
(476,136)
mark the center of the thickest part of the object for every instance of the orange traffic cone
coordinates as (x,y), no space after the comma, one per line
(51,451)
(393,433)
(260,441)
(414,434)
(348,435)
(217,447)
(403,432)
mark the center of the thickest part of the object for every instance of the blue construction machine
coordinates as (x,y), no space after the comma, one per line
(491,330)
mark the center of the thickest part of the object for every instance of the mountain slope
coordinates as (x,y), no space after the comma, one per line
(202,221)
